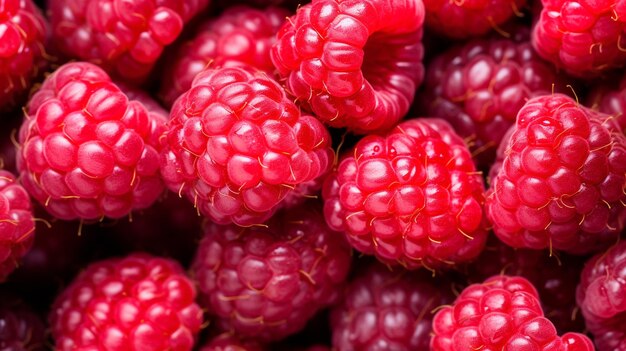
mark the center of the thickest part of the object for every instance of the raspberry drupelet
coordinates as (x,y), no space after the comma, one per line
(229,342)
(610,99)
(353,63)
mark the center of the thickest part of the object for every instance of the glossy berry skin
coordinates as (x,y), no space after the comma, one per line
(503,313)
(123,37)
(267,282)
(17,226)
(138,302)
(229,342)
(600,296)
(412,197)
(353,63)
(87,150)
(561,184)
(239,36)
(611,100)
(585,38)
(237,146)
(387,310)
(20,328)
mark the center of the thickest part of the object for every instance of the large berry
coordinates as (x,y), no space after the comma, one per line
(601,297)
(237,146)
(610,99)
(503,313)
(354,63)
(134,303)
(266,282)
(87,151)
(562,179)
(412,197)
(20,328)
(239,36)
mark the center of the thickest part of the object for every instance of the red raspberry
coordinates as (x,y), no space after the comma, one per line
(585,38)
(387,310)
(562,183)
(611,100)
(87,151)
(601,295)
(354,63)
(20,328)
(503,313)
(266,283)
(228,342)
(240,36)
(237,146)
(134,303)
(124,37)
(412,197)
(23,32)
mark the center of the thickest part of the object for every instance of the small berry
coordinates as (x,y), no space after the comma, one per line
(20,328)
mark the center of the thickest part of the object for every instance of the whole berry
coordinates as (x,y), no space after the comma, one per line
(353,63)
(267,282)
(237,146)
(601,295)
(503,313)
(239,36)
(610,99)
(562,179)
(412,197)
(229,342)
(20,328)
(137,302)
(87,151)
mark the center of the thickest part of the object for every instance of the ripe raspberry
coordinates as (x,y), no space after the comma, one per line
(562,183)
(23,33)
(228,342)
(266,283)
(503,313)
(585,38)
(601,295)
(354,63)
(87,151)
(124,37)
(385,310)
(20,328)
(610,100)
(240,36)
(237,146)
(134,303)
(412,197)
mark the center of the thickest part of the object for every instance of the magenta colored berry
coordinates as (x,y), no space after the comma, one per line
(237,146)
(87,151)
(267,282)
(20,328)
(229,342)
(138,302)
(610,100)
(412,197)
(503,313)
(354,63)
(562,180)
(240,36)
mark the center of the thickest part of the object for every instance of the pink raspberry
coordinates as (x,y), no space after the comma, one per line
(562,180)
(23,33)
(87,151)
(610,99)
(229,342)
(237,146)
(412,197)
(20,328)
(601,295)
(134,303)
(124,37)
(239,36)
(354,63)
(585,38)
(267,282)
(503,313)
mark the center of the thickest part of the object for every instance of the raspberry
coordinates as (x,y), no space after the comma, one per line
(610,100)
(354,63)
(134,303)
(387,310)
(87,151)
(266,283)
(585,38)
(562,183)
(124,37)
(503,313)
(23,33)
(20,328)
(237,146)
(17,226)
(240,36)
(600,296)
(412,197)
(228,342)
